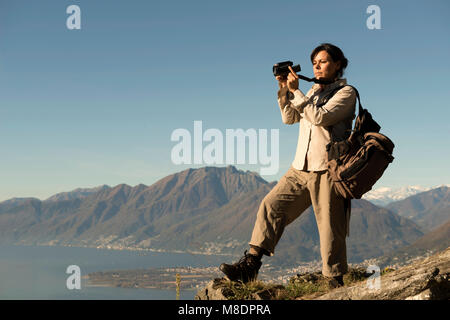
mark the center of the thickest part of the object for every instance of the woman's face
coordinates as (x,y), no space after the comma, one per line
(324,67)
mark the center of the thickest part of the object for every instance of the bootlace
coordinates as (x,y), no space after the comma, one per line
(247,261)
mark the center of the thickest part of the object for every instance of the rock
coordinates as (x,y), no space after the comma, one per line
(216,289)
(268,294)
(307,277)
(428,279)
(219,289)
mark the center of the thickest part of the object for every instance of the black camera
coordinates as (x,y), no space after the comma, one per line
(282,68)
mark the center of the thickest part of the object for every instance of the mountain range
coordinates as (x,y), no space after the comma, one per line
(431,211)
(205,210)
(428,209)
(77,193)
(385,195)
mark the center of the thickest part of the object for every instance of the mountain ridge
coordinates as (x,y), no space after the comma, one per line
(209,210)
(428,209)
(383,196)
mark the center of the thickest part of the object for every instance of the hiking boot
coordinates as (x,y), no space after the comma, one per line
(245,270)
(335,282)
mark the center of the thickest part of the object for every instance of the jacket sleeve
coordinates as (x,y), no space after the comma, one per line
(290,105)
(341,106)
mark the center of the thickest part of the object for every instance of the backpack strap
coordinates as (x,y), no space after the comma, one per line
(330,95)
(360,108)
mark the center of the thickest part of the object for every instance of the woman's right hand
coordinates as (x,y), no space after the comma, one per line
(282,82)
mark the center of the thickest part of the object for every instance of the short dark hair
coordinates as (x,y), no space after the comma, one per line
(335,53)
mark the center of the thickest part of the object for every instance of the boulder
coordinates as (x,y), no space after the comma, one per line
(427,279)
(216,289)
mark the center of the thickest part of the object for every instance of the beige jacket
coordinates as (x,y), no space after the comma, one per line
(338,112)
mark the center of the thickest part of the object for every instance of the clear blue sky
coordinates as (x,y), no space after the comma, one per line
(82,108)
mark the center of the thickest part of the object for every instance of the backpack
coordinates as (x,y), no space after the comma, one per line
(356,163)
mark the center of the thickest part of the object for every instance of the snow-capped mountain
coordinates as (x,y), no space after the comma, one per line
(385,195)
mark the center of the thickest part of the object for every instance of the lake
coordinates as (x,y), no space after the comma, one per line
(39,272)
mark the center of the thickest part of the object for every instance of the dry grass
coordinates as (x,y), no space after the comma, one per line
(311,284)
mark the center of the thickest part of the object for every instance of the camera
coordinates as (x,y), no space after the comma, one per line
(282,68)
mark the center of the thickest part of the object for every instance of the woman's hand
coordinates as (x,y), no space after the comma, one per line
(292,81)
(282,82)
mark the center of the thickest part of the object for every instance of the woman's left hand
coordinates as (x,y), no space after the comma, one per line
(292,80)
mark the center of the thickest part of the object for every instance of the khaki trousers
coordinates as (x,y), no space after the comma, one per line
(290,197)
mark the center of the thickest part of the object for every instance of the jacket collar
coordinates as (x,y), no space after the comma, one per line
(331,86)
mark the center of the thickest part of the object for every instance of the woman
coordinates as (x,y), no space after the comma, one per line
(322,113)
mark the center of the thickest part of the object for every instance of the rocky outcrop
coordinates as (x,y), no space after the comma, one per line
(425,279)
(428,279)
(215,290)
(223,289)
